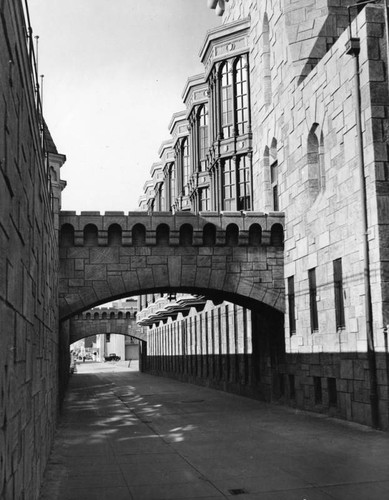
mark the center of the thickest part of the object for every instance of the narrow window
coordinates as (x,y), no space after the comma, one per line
(229,187)
(274,176)
(172,182)
(226,100)
(108,337)
(204,199)
(332,392)
(185,163)
(313,161)
(203,137)
(317,390)
(244,184)
(242,108)
(338,288)
(313,300)
(291,303)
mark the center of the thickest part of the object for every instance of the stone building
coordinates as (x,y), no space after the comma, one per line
(291,115)
(286,127)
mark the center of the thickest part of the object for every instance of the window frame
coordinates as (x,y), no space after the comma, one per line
(313,300)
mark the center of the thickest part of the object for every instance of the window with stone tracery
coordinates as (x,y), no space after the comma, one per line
(234,97)
(172,183)
(204,199)
(242,108)
(244,184)
(229,185)
(226,103)
(185,161)
(203,136)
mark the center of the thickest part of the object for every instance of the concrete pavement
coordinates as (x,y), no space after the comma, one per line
(127,435)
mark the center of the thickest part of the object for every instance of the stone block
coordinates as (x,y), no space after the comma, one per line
(95,272)
(104,255)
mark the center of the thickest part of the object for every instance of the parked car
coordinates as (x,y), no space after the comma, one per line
(112,357)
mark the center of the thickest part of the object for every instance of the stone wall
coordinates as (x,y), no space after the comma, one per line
(28,274)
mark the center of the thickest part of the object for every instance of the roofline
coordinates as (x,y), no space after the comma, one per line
(192,81)
(221,31)
(180,115)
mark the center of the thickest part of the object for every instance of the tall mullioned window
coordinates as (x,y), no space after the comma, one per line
(185,161)
(229,186)
(203,136)
(204,199)
(227,113)
(242,105)
(244,184)
(172,183)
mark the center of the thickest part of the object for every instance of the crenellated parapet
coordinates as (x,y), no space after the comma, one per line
(182,228)
(107,313)
(103,321)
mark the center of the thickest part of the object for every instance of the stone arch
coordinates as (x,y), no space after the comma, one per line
(209,235)
(96,315)
(90,235)
(88,315)
(163,235)
(128,315)
(232,235)
(138,235)
(111,315)
(186,235)
(255,235)
(114,235)
(120,315)
(277,235)
(104,315)
(67,235)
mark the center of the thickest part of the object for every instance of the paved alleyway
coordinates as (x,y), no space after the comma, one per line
(126,435)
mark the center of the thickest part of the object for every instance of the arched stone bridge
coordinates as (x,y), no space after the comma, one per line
(102,321)
(234,255)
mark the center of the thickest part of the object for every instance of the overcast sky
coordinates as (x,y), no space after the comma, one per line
(114,71)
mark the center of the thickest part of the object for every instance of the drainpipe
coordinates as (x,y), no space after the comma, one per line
(353,48)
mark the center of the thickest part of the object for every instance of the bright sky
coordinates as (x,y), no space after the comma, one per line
(114,72)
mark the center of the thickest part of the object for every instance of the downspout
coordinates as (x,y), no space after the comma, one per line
(353,48)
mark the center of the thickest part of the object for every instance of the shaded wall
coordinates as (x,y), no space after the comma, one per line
(28,274)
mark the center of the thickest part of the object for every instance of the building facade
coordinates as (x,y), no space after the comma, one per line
(290,115)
